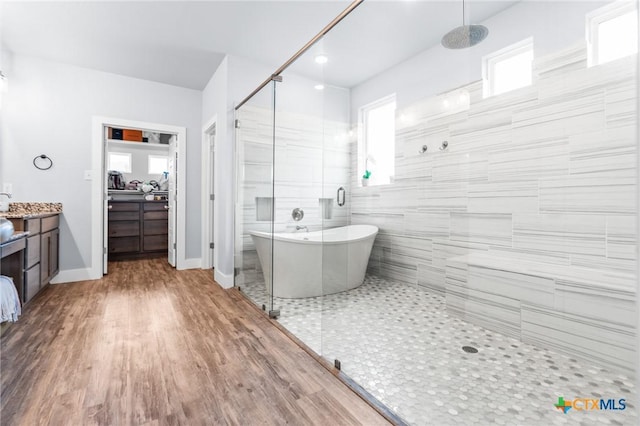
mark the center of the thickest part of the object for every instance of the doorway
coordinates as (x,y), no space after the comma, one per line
(208,195)
(176,190)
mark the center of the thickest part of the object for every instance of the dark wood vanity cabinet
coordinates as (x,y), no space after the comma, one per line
(42,254)
(137,228)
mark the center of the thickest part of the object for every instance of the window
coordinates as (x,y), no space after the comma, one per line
(612,32)
(508,69)
(377,144)
(158,164)
(120,161)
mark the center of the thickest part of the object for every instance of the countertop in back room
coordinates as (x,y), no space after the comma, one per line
(21,210)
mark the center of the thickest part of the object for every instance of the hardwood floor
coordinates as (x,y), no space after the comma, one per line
(150,345)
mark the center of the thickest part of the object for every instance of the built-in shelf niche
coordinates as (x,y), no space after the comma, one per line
(326,207)
(264,208)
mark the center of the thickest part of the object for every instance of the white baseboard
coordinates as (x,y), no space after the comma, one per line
(73,275)
(225,280)
(193,263)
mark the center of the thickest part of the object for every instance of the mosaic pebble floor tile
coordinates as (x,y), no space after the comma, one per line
(399,343)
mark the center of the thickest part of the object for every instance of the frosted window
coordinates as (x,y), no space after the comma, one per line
(120,161)
(158,164)
(616,37)
(509,69)
(378,147)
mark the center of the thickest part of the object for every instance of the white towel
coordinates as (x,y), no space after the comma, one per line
(10,308)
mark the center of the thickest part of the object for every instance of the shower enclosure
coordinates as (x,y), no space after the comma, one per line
(501,181)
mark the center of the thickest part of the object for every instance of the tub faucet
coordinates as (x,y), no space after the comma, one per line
(298,227)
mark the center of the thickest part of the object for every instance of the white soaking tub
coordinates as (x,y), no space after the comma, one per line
(310,264)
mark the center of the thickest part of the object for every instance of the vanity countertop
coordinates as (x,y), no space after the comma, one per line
(30,210)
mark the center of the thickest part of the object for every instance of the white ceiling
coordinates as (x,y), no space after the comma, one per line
(182,43)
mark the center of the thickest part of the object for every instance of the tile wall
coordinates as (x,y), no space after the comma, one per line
(312,160)
(526,223)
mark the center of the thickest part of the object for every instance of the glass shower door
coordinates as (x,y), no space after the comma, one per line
(254,229)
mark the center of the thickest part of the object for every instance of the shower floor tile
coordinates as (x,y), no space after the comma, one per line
(400,344)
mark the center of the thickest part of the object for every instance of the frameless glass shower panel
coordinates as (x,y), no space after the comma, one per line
(255,201)
(299,129)
(505,199)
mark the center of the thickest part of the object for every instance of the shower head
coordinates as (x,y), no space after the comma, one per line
(465,35)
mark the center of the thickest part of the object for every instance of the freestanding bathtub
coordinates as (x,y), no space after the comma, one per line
(309,264)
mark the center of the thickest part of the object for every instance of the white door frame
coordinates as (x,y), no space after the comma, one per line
(208,175)
(97,190)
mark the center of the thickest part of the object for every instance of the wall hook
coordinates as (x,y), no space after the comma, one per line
(423,149)
(444,145)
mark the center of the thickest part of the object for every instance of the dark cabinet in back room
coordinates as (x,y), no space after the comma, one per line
(137,229)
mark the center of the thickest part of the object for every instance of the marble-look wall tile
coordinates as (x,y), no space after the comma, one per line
(482,228)
(527,288)
(446,249)
(621,237)
(443,197)
(503,197)
(607,153)
(591,339)
(432,278)
(529,161)
(571,234)
(588,194)
(451,167)
(426,225)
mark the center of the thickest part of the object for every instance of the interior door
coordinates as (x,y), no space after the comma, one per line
(105,204)
(212,198)
(173,185)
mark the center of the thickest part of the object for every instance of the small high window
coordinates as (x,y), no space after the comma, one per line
(612,32)
(158,164)
(508,69)
(119,161)
(377,144)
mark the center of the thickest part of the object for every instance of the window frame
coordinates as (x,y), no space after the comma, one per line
(125,154)
(596,17)
(363,147)
(156,156)
(489,63)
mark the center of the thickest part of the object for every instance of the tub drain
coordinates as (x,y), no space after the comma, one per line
(470,349)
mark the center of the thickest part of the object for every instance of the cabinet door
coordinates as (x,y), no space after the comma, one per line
(31,282)
(45,243)
(54,253)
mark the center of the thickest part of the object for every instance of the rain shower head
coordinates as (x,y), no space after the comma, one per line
(465,35)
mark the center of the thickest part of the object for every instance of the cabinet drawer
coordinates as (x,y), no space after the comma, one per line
(156,206)
(33,251)
(155,227)
(124,229)
(155,242)
(124,244)
(156,215)
(115,216)
(49,223)
(124,207)
(31,282)
(12,247)
(32,225)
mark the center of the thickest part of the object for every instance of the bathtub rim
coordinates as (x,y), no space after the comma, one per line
(284,236)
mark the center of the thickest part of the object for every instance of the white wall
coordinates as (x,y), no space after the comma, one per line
(551,24)
(48,111)
(233,80)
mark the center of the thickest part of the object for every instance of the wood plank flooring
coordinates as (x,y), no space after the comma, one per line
(148,345)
